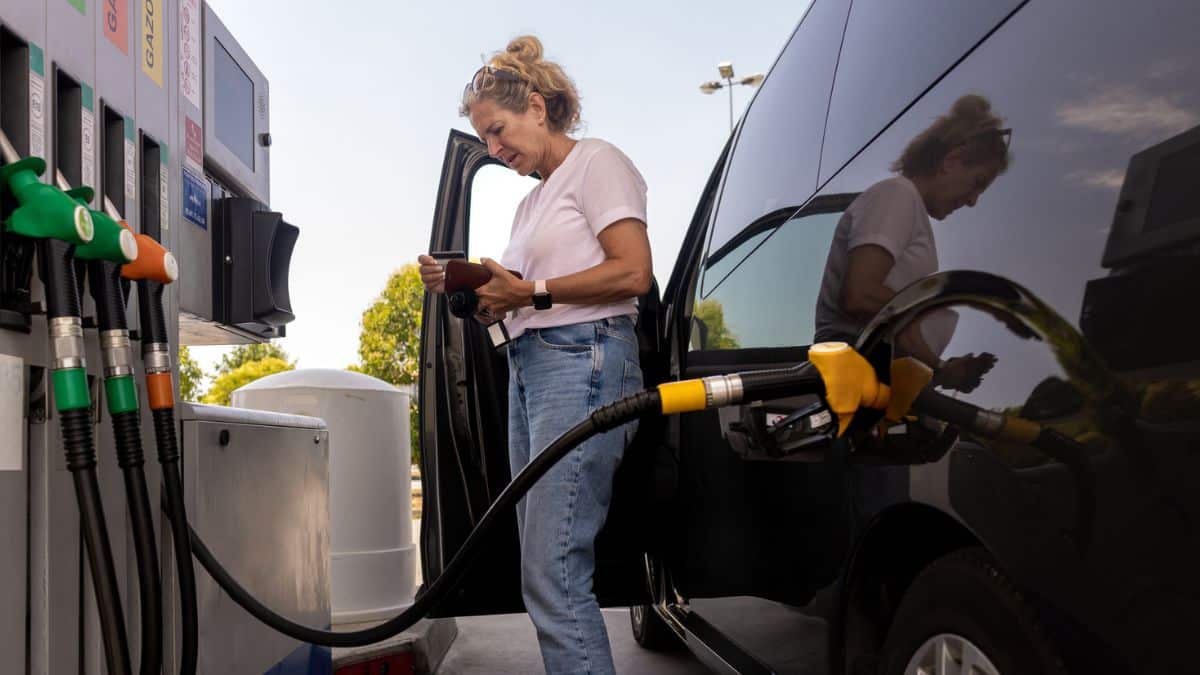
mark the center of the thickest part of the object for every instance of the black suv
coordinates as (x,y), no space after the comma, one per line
(927,547)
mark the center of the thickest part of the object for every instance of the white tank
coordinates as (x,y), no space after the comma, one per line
(374,560)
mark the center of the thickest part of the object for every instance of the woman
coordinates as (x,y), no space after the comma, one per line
(884,241)
(579,242)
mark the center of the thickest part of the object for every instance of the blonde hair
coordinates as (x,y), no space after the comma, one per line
(523,58)
(970,123)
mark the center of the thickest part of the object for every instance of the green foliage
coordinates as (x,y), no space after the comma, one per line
(389,346)
(390,343)
(191,376)
(243,354)
(244,374)
(718,335)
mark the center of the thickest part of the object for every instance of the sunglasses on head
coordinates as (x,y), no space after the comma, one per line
(1004,134)
(487,76)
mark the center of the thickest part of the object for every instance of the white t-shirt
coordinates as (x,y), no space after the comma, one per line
(556,228)
(892,215)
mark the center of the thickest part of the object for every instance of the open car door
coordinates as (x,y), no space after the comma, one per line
(463,408)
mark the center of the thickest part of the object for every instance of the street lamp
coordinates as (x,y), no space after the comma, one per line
(725,69)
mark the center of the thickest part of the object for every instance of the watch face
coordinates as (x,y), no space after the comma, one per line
(541,301)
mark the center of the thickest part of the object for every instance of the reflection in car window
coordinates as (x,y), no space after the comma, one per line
(885,240)
(774,163)
(882,33)
(768,300)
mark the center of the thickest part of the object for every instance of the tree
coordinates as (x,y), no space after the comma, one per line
(389,346)
(191,376)
(243,354)
(717,335)
(225,384)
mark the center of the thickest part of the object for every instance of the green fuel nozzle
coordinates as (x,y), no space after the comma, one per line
(112,242)
(45,212)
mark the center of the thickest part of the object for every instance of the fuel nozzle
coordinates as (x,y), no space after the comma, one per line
(153,261)
(111,241)
(153,270)
(44,211)
(842,379)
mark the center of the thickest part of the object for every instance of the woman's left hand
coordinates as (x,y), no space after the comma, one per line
(504,293)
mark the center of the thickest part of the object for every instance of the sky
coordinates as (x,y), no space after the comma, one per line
(364,93)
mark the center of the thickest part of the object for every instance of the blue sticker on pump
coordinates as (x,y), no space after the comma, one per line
(195,199)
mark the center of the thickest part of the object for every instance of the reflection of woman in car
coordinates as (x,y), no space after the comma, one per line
(884,241)
(579,241)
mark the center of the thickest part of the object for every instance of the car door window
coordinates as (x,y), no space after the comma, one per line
(496,191)
(767,298)
(914,44)
(774,163)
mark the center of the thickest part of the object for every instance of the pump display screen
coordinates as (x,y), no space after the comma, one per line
(233,106)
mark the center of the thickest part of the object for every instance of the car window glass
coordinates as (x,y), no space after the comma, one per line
(496,191)
(774,163)
(913,45)
(769,299)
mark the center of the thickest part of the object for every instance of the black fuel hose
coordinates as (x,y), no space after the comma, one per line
(127,428)
(155,339)
(57,271)
(602,420)
(168,456)
(110,314)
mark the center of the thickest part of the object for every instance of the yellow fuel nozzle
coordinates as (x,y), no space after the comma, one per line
(835,370)
(850,381)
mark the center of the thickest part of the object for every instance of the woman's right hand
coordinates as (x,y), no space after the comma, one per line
(433,275)
(964,373)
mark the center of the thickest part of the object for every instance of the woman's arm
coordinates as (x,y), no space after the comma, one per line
(864,294)
(625,273)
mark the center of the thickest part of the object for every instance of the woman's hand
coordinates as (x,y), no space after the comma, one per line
(504,293)
(964,373)
(433,275)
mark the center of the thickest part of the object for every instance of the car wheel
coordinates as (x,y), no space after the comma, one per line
(650,631)
(963,615)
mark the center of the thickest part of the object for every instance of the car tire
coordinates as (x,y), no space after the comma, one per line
(651,631)
(964,606)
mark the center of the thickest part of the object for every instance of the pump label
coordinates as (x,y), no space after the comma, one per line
(153,40)
(87,137)
(116,24)
(37,102)
(195,199)
(189,50)
(130,165)
(164,208)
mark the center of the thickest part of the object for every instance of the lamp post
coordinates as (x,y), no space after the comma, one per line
(725,69)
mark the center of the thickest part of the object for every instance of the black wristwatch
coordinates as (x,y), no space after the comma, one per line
(541,296)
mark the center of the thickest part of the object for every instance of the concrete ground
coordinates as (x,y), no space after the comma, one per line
(491,645)
(507,643)
(488,645)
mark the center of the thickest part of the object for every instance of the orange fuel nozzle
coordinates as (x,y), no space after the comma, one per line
(154,262)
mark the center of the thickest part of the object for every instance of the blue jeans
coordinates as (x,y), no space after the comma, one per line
(557,377)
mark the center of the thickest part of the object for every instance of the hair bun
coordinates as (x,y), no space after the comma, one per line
(973,109)
(525,48)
